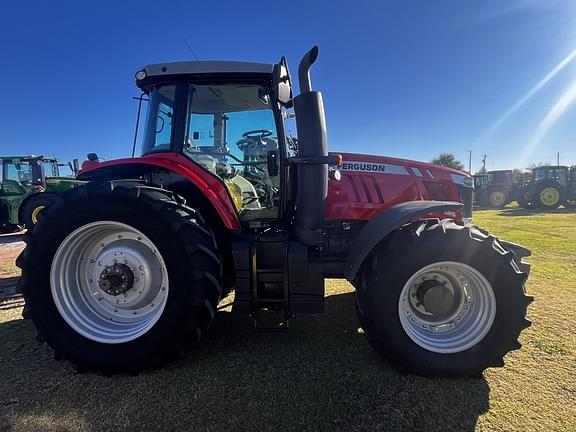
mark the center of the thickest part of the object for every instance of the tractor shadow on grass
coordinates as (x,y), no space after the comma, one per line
(518,211)
(323,375)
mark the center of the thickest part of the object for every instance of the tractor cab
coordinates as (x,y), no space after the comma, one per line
(501,177)
(480,181)
(229,125)
(557,174)
(29,170)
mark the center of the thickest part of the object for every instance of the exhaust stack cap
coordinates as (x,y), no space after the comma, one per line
(304,69)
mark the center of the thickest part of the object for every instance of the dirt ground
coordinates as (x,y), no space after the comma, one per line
(10,248)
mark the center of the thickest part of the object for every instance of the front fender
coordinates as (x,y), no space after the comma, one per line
(387,221)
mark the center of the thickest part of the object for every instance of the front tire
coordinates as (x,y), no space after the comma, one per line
(442,300)
(120,276)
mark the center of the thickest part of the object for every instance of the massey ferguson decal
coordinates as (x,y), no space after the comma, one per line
(374,167)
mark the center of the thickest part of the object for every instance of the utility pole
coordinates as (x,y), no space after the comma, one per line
(483,162)
(469,162)
(558,159)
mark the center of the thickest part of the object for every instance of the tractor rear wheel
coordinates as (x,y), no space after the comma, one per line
(34,205)
(120,276)
(498,198)
(442,299)
(548,196)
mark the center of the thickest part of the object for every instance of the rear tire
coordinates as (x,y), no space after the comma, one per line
(498,198)
(480,300)
(548,196)
(34,205)
(181,271)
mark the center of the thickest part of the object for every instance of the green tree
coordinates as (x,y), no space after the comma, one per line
(482,171)
(448,160)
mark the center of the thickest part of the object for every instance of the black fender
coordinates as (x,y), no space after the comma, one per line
(387,221)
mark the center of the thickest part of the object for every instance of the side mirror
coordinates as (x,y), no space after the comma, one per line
(272,162)
(283,83)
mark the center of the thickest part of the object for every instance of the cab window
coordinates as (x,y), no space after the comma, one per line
(20,172)
(159,125)
(232,133)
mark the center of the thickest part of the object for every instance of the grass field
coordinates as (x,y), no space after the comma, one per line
(321,376)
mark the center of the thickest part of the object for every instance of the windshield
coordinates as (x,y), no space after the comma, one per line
(232,133)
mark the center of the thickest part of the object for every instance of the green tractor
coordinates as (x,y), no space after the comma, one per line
(548,187)
(28,185)
(496,189)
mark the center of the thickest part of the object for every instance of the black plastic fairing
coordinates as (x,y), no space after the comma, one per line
(386,222)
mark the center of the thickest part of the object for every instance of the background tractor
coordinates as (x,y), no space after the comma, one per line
(124,272)
(495,189)
(548,187)
(29,184)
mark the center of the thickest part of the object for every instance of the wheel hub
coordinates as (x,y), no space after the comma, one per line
(497,198)
(109,282)
(446,307)
(116,279)
(436,298)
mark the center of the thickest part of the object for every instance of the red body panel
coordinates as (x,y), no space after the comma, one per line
(371,184)
(210,185)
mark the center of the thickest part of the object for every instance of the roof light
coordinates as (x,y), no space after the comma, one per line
(140,75)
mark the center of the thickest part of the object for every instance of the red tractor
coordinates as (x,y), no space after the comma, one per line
(127,270)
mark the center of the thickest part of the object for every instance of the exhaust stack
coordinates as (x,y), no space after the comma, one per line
(312,178)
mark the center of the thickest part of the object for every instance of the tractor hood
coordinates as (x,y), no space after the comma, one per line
(370,163)
(370,184)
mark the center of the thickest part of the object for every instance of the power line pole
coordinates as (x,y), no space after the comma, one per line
(483,162)
(558,159)
(469,162)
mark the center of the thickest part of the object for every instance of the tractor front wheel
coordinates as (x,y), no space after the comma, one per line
(120,276)
(442,299)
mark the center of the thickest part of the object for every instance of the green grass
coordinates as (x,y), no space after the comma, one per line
(321,376)
(9,268)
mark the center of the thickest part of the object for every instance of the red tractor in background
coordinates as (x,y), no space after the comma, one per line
(128,269)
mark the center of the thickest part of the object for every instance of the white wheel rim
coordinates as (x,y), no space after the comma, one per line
(467,320)
(78,267)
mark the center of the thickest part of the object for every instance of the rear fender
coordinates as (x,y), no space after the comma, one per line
(387,221)
(172,165)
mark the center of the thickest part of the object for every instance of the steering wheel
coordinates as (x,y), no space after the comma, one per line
(252,137)
(257,133)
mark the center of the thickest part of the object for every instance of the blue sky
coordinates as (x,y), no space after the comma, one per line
(402,78)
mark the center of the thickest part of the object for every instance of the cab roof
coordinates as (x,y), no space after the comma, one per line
(208,67)
(28,157)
